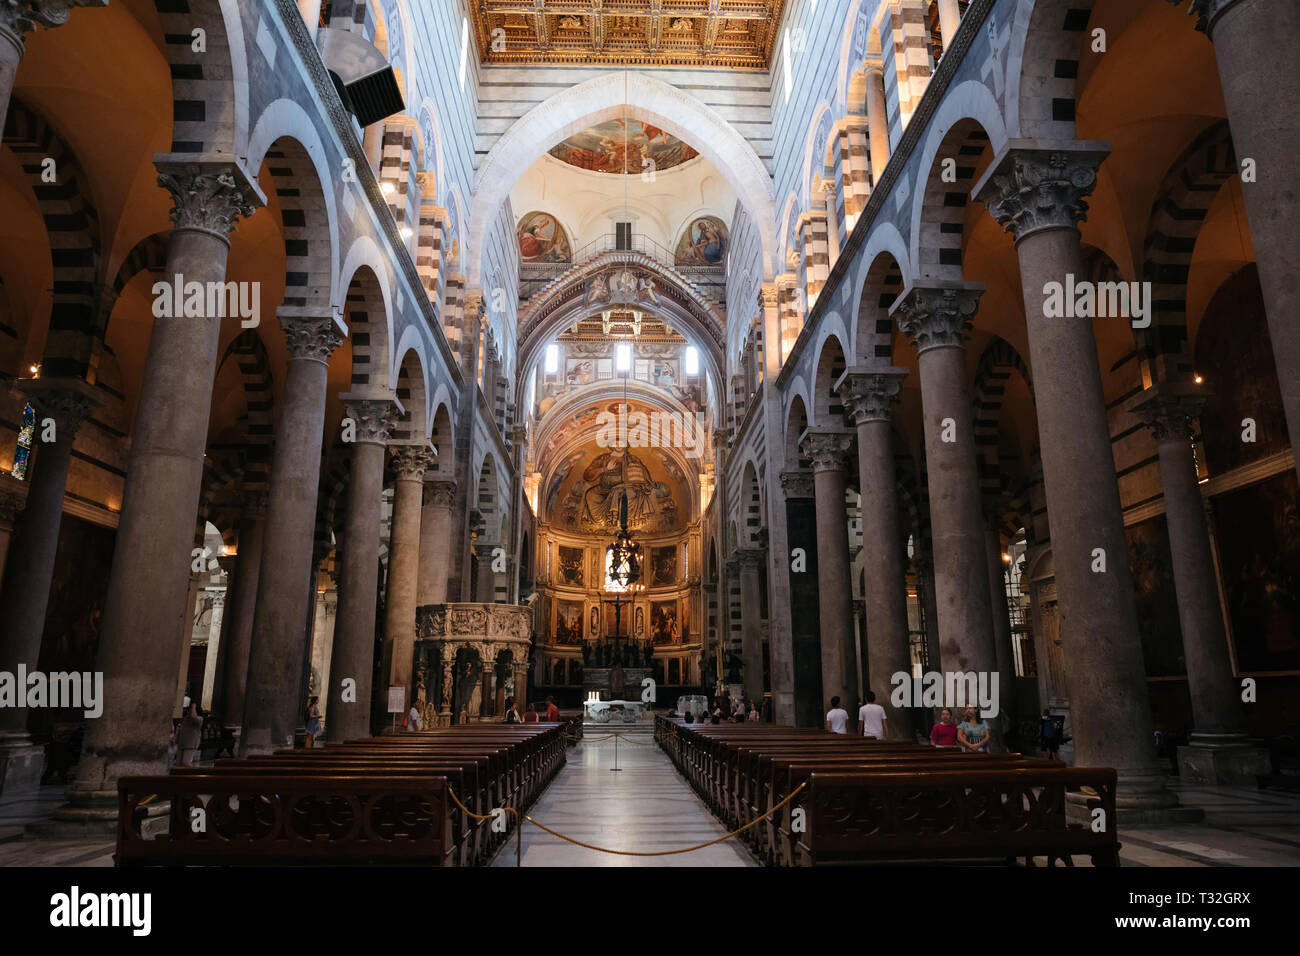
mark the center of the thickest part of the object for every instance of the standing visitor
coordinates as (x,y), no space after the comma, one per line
(973,732)
(944,733)
(552,712)
(188,737)
(837,718)
(872,717)
(413,719)
(313,722)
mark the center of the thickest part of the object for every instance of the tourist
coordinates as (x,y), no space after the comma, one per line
(872,717)
(512,712)
(944,733)
(313,722)
(973,732)
(689,718)
(837,718)
(738,708)
(530,715)
(1049,735)
(413,719)
(753,712)
(189,736)
(552,712)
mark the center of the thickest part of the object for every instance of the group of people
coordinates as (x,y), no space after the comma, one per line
(972,734)
(531,715)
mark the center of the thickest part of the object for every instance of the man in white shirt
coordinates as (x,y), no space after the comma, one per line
(837,718)
(413,719)
(871,716)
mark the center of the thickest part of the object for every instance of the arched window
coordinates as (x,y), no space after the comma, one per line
(23,453)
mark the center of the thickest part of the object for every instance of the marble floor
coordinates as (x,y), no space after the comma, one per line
(646,806)
(649,806)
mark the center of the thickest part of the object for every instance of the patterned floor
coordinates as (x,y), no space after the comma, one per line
(647,805)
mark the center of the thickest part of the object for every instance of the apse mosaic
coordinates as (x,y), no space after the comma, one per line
(584,491)
(619,146)
(542,239)
(703,243)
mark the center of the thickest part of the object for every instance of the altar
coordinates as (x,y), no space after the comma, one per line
(615,711)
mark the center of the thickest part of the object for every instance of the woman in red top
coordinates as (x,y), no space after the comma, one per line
(944,733)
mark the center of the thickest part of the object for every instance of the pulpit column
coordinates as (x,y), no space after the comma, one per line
(435,535)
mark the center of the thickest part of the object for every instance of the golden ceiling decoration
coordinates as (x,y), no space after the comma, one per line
(734,34)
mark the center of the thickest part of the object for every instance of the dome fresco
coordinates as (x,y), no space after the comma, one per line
(619,146)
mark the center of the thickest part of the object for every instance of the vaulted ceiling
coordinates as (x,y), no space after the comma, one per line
(735,34)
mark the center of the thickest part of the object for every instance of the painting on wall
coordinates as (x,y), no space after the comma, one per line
(1258,529)
(1157,603)
(663,622)
(568,622)
(663,566)
(579,371)
(542,239)
(619,146)
(571,566)
(588,499)
(703,243)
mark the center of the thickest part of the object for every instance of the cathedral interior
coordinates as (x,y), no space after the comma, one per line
(388,369)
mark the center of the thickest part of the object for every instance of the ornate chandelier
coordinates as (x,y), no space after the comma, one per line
(623,557)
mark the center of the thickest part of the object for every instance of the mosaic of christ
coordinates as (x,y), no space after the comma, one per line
(591,501)
(621,146)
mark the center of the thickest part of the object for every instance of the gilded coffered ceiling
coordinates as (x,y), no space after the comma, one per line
(736,34)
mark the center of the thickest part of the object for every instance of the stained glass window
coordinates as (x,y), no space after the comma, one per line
(23,453)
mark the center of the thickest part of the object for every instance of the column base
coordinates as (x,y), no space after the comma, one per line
(21,763)
(1142,798)
(87,814)
(1222,760)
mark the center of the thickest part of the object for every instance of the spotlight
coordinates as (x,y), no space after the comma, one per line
(1197,378)
(387,188)
(406,232)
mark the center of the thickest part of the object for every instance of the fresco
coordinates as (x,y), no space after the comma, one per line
(663,622)
(542,239)
(616,147)
(571,564)
(584,494)
(703,243)
(568,622)
(663,565)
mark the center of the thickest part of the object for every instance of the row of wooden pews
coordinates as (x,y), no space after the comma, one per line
(871,801)
(381,800)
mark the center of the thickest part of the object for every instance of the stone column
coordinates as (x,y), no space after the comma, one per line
(877,122)
(487,580)
(284,587)
(13,495)
(826,448)
(435,535)
(353,656)
(752,562)
(1218,753)
(1039,195)
(448,665)
(26,593)
(213,657)
(949,20)
(238,639)
(868,395)
(409,463)
(798,566)
(17,18)
(935,318)
(1259,68)
(1001,618)
(139,645)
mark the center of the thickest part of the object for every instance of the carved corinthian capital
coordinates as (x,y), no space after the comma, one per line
(1168,410)
(1207,12)
(1030,188)
(938,316)
(797,484)
(22,16)
(68,401)
(868,394)
(410,462)
(374,419)
(310,337)
(826,448)
(440,493)
(207,197)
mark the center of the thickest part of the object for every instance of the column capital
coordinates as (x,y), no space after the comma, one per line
(410,462)
(1032,186)
(720,439)
(208,194)
(751,559)
(253,504)
(474,303)
(1207,12)
(826,447)
(374,417)
(869,393)
(797,484)
(311,335)
(937,315)
(1168,409)
(769,294)
(69,401)
(440,492)
(22,16)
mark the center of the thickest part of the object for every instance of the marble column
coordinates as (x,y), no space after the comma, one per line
(435,533)
(935,318)
(752,563)
(877,122)
(827,448)
(1218,751)
(949,20)
(799,568)
(17,19)
(447,668)
(237,639)
(352,661)
(13,495)
(1001,618)
(868,395)
(284,587)
(409,463)
(1038,194)
(139,645)
(1259,69)
(26,593)
(487,579)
